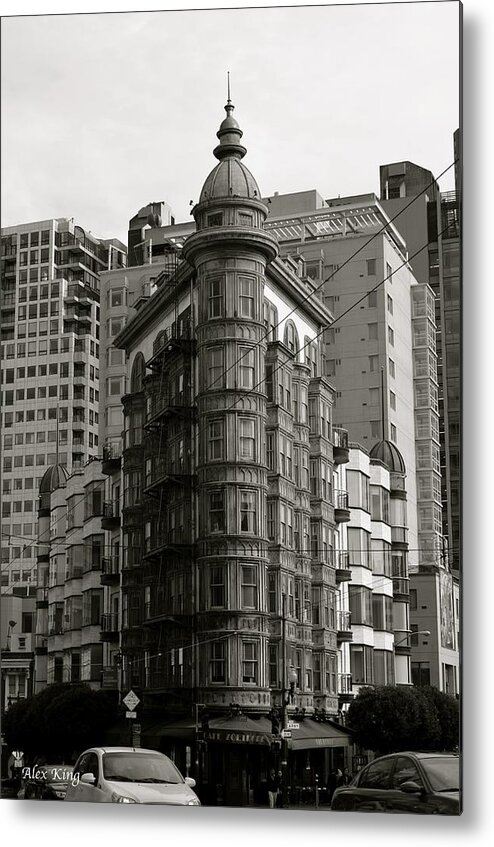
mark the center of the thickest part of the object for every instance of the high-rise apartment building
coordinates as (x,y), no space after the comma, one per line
(50,305)
(428,216)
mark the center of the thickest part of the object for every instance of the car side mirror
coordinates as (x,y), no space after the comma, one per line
(190,781)
(410,787)
(88,778)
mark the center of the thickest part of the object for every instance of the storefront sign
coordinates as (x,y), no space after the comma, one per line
(237,737)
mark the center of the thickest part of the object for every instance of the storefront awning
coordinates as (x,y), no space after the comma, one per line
(312,734)
(239,729)
(184,728)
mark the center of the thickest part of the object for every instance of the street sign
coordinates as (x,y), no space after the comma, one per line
(131,700)
(131,715)
(292,725)
(286,733)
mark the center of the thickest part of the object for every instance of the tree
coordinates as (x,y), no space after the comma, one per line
(60,721)
(390,718)
(448,712)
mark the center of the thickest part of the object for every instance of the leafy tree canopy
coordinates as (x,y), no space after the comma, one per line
(390,718)
(59,721)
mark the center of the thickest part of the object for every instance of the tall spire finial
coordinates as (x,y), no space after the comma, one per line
(228,77)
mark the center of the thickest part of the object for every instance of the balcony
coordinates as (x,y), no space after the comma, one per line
(73,572)
(111,515)
(343,568)
(174,540)
(110,571)
(341,452)
(178,339)
(401,589)
(112,457)
(42,598)
(162,406)
(345,690)
(109,627)
(343,627)
(41,648)
(175,473)
(341,509)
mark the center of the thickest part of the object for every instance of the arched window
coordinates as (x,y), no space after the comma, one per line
(291,337)
(138,369)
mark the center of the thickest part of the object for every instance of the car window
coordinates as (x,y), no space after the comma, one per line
(443,772)
(81,765)
(140,767)
(92,764)
(376,775)
(405,770)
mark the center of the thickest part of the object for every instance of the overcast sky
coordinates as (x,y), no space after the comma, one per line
(102,113)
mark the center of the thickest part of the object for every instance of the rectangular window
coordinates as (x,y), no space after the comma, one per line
(216,511)
(246,297)
(371,267)
(216,370)
(217,662)
(390,304)
(392,399)
(392,368)
(216,440)
(248,511)
(217,587)
(372,299)
(246,367)
(372,328)
(215,298)
(249,587)
(247,438)
(249,662)
(391,336)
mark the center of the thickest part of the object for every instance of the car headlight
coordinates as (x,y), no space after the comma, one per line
(119,798)
(194,802)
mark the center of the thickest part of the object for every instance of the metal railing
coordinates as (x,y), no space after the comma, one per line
(340,499)
(343,621)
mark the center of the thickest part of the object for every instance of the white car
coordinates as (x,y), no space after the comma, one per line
(129,775)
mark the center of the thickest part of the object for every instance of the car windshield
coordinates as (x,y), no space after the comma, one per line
(140,767)
(443,772)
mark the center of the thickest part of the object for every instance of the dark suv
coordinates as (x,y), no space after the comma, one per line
(406,783)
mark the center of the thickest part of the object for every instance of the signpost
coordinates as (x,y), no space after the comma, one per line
(292,725)
(132,701)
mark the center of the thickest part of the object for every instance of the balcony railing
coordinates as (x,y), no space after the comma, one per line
(401,586)
(341,508)
(343,621)
(340,445)
(344,683)
(109,622)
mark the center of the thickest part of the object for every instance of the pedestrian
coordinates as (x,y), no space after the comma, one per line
(347,777)
(334,781)
(273,786)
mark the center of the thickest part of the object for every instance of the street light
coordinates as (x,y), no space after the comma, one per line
(411,635)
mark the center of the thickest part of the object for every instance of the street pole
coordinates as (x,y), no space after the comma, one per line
(284,695)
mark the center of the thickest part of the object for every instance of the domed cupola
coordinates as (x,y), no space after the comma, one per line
(230,208)
(54,477)
(230,178)
(387,453)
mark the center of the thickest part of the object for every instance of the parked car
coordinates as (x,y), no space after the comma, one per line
(407,783)
(129,775)
(47,782)
(10,787)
